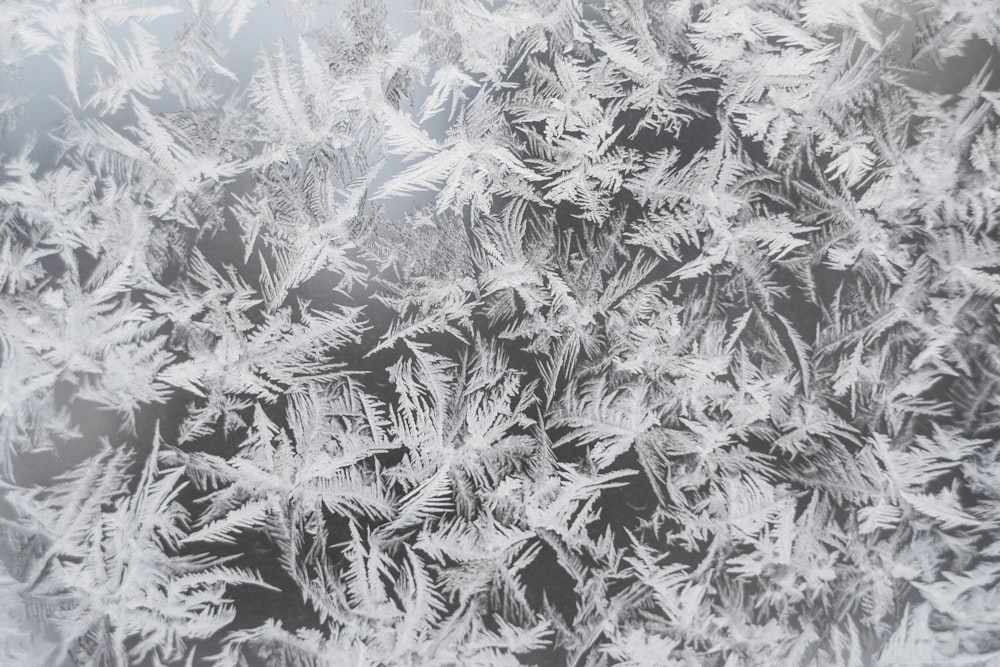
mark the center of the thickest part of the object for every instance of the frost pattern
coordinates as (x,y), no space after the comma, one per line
(542,332)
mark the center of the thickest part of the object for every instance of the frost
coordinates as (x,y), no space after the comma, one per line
(499,333)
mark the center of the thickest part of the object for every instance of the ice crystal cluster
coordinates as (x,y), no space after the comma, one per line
(499,332)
